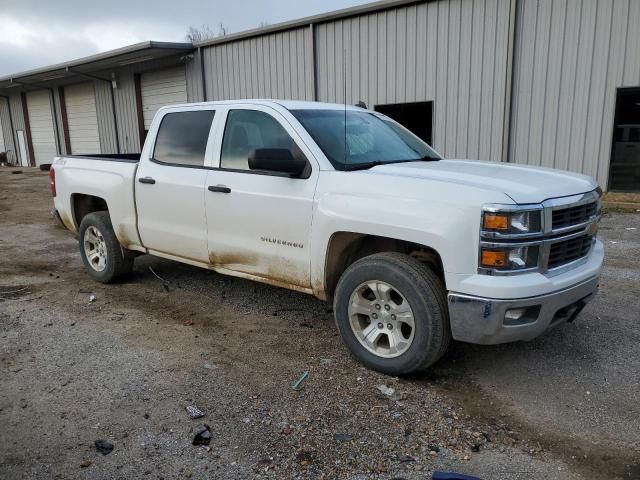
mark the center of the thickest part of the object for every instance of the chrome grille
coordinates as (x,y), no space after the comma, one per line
(568,251)
(568,217)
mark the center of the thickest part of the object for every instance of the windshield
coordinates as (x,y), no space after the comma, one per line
(371,138)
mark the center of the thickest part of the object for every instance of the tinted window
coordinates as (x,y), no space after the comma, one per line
(182,137)
(361,139)
(247,130)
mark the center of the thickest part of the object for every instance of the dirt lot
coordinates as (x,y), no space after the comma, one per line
(124,367)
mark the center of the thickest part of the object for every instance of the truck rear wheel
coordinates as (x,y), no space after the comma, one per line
(103,256)
(392,314)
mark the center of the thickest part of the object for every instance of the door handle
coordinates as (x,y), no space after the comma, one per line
(219,189)
(148,180)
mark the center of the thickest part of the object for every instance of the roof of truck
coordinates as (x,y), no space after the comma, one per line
(288,104)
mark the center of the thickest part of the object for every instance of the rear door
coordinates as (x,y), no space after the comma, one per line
(259,222)
(170,186)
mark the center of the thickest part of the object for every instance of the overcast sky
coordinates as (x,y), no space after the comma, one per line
(37,33)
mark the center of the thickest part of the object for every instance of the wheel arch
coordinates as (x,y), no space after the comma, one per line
(83,204)
(344,248)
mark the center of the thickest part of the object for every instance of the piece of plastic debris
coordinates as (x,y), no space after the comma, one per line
(103,446)
(92,298)
(298,383)
(342,437)
(188,322)
(396,415)
(194,411)
(631,228)
(202,435)
(451,476)
(387,391)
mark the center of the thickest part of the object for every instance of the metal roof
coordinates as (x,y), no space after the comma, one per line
(131,54)
(311,20)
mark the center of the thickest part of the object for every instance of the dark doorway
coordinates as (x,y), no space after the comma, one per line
(417,117)
(625,152)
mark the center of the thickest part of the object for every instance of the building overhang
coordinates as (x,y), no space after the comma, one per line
(94,64)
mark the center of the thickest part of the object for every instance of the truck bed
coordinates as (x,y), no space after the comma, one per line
(107,177)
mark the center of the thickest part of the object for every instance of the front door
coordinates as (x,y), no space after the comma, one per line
(259,222)
(170,187)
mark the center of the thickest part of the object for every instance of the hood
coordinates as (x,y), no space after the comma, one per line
(524,184)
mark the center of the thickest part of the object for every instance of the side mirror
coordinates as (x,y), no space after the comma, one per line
(276,160)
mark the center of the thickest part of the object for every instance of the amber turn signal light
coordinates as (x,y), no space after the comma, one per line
(493,258)
(496,221)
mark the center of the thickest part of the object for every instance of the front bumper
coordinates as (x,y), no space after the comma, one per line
(485,320)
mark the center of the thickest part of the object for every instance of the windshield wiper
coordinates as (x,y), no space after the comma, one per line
(363,166)
(366,165)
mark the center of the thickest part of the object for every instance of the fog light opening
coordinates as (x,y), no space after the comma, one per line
(521,316)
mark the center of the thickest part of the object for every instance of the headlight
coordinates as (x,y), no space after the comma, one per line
(519,222)
(509,258)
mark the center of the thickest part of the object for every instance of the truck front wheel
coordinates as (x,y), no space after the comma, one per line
(103,256)
(392,314)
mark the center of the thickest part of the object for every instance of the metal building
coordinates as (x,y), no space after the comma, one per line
(553,83)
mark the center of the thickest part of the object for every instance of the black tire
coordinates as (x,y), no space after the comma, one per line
(426,296)
(119,261)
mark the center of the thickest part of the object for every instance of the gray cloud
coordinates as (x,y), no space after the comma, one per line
(36,33)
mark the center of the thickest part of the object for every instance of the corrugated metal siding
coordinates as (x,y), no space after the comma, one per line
(451,52)
(57,122)
(278,65)
(571,56)
(18,123)
(7,134)
(125,102)
(104,110)
(195,92)
(2,145)
(126,108)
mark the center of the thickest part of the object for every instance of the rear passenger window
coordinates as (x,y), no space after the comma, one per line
(247,130)
(182,138)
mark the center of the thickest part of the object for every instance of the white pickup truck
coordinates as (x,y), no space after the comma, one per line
(345,204)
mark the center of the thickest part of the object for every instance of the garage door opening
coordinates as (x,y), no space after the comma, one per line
(625,152)
(417,117)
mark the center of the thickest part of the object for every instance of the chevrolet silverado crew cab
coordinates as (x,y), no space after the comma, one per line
(345,204)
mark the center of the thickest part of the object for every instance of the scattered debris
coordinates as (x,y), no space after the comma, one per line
(202,435)
(104,447)
(298,383)
(631,228)
(92,298)
(210,366)
(194,411)
(404,458)
(85,463)
(342,437)
(16,172)
(188,323)
(386,391)
(396,415)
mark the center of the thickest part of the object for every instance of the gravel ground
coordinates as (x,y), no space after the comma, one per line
(124,367)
